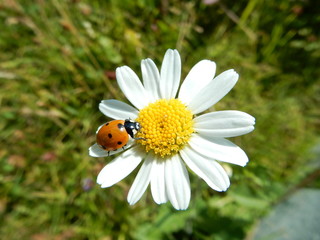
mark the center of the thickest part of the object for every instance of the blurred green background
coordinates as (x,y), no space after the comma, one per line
(57,62)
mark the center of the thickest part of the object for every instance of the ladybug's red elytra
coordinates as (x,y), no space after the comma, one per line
(115,134)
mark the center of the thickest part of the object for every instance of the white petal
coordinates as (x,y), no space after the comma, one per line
(223,114)
(158,188)
(170,74)
(177,183)
(199,76)
(141,181)
(218,148)
(120,167)
(118,110)
(209,170)
(214,91)
(132,87)
(224,124)
(151,78)
(225,132)
(96,151)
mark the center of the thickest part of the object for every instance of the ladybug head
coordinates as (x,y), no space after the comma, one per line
(131,127)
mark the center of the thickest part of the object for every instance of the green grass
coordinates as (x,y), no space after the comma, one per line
(56,64)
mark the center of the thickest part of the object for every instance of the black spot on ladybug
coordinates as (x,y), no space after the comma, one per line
(107,124)
(119,143)
(120,126)
(109,135)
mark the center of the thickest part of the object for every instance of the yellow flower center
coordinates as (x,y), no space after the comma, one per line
(166,126)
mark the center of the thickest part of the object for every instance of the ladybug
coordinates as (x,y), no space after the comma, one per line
(115,134)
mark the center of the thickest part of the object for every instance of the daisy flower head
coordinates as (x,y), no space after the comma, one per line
(172,134)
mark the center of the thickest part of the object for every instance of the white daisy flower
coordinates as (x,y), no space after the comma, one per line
(173,135)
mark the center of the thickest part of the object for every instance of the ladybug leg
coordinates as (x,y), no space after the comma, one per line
(139,138)
(108,153)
